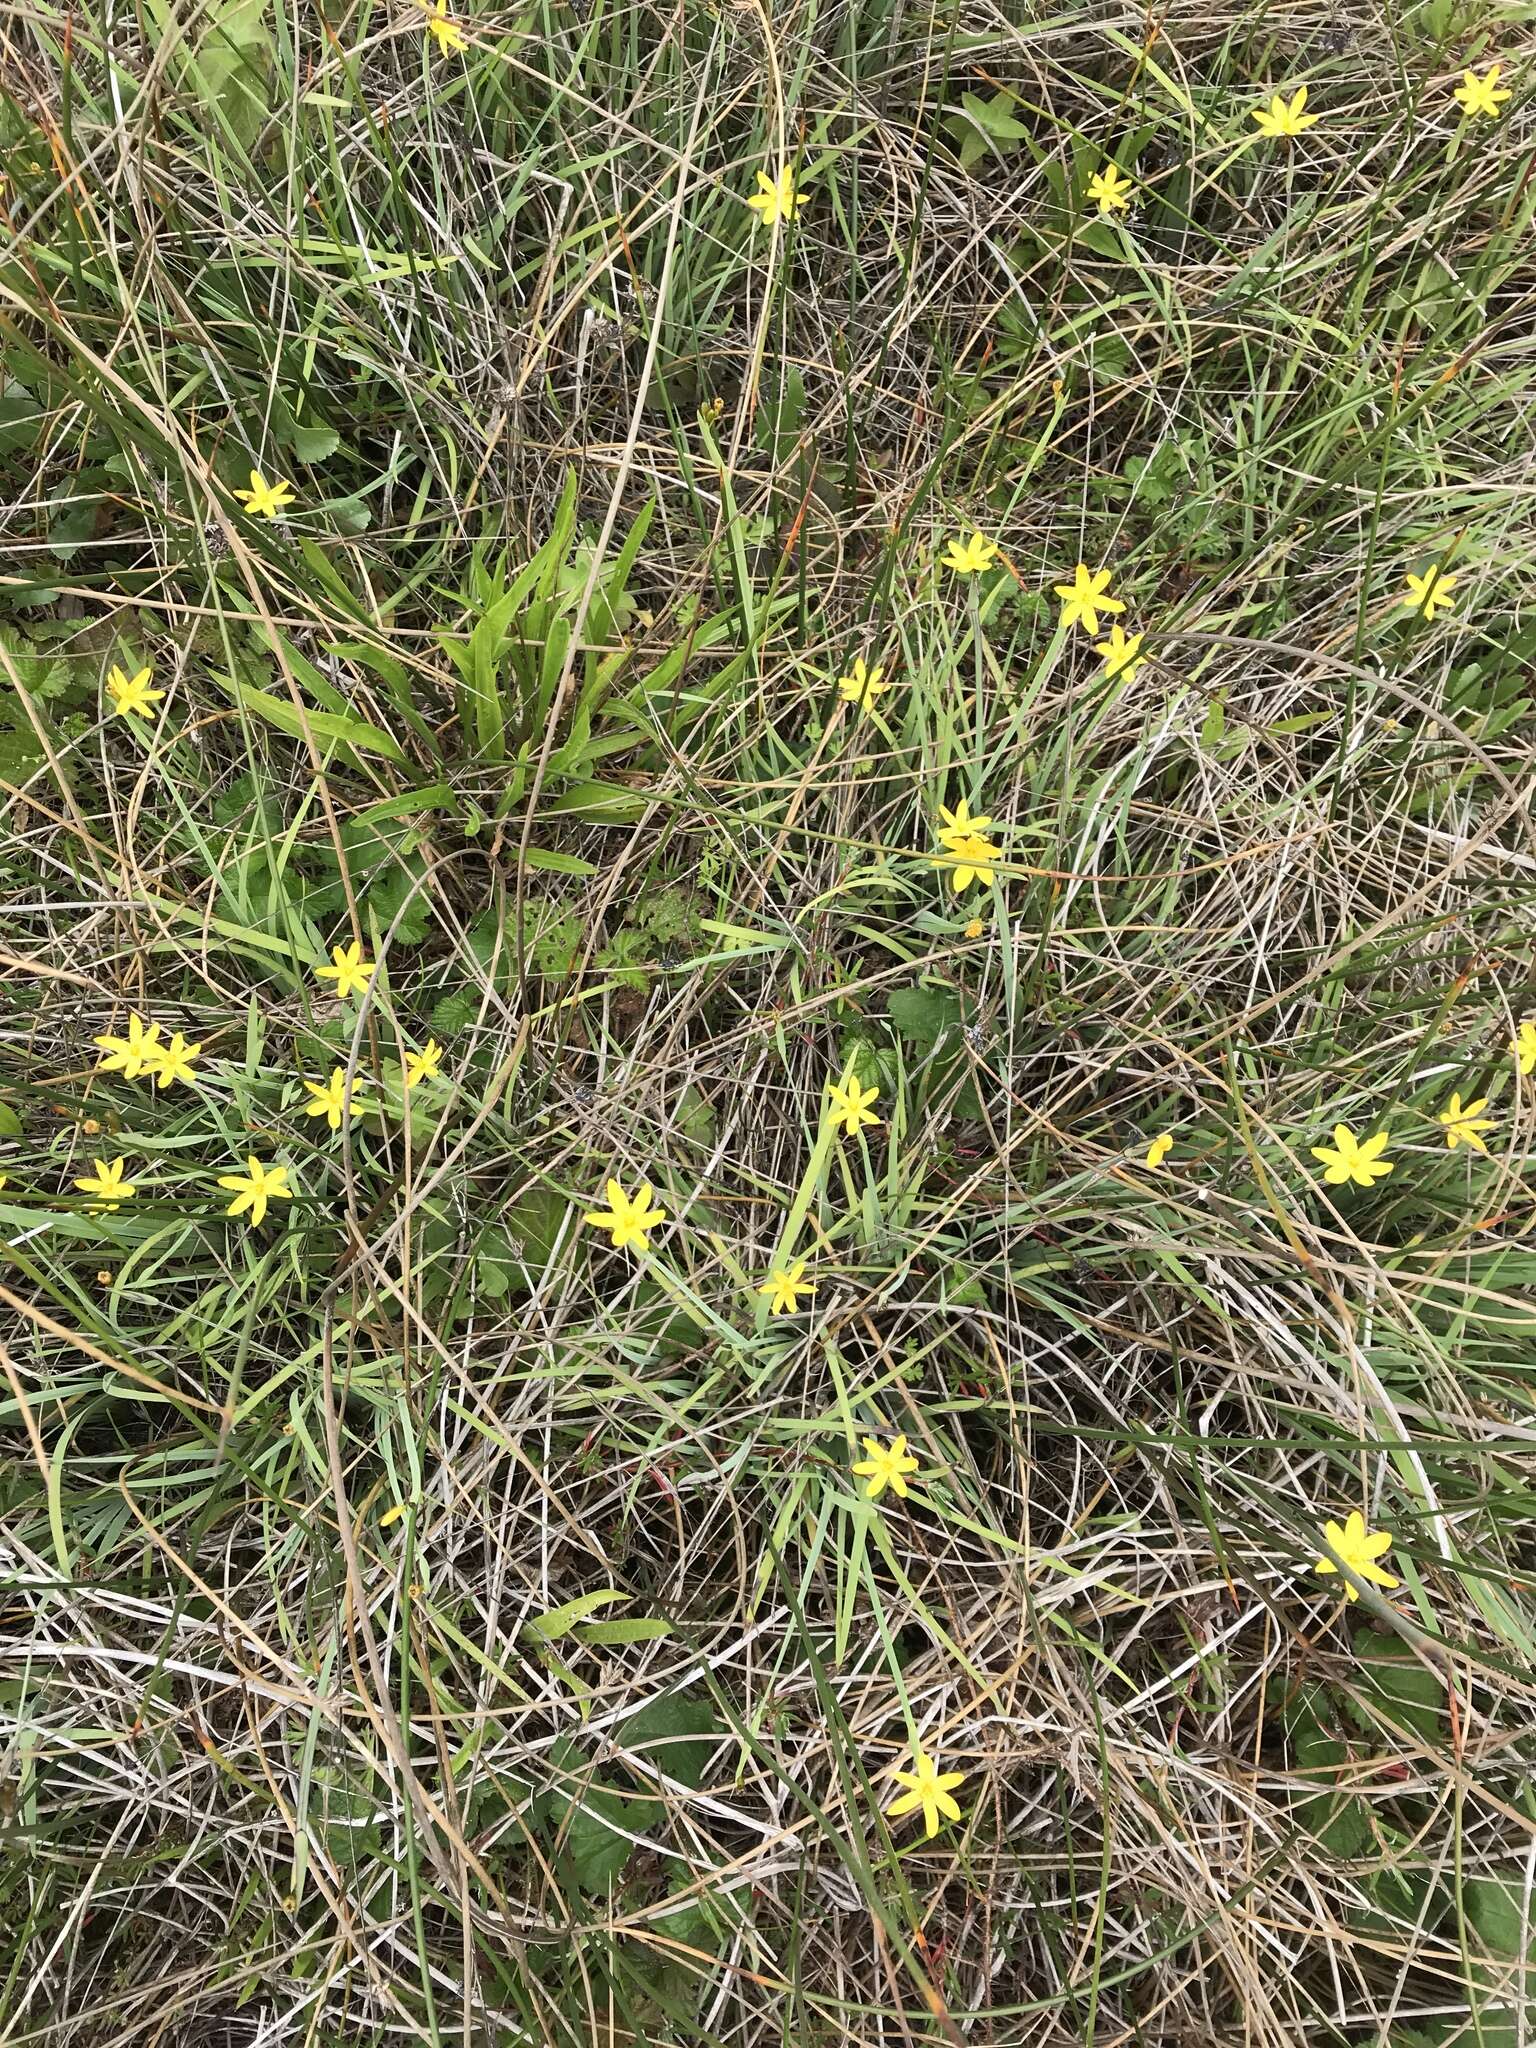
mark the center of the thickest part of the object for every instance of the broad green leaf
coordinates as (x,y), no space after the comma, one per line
(924,1015)
(314,444)
(350,515)
(1503,1917)
(436,796)
(223,58)
(325,725)
(597,1848)
(20,415)
(675,1734)
(1407,1695)
(561,1620)
(74,523)
(994,117)
(1338,1819)
(605,803)
(637,1631)
(554,863)
(1494,1906)
(589,1815)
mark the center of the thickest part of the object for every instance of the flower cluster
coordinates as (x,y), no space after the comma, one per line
(966,853)
(1282,120)
(1353,1161)
(629,1220)
(1361,1162)
(778,198)
(1082,600)
(141,1053)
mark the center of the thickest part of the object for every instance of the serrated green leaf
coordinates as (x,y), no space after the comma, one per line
(597,1849)
(314,444)
(394,902)
(350,515)
(453,1014)
(924,1015)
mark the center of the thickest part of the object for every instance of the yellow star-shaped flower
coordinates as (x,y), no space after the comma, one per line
(957,825)
(423,1065)
(970,557)
(1430,592)
(1347,1160)
(1465,1126)
(1284,117)
(131,695)
(1523,1046)
(1109,190)
(1159,1149)
(138,1053)
(1482,95)
(172,1062)
(929,1789)
(335,1099)
(264,500)
(776,198)
(784,1286)
(108,1183)
(349,970)
(849,1104)
(885,1465)
(441,25)
(861,685)
(967,860)
(1359,1549)
(1084,598)
(628,1219)
(254,1188)
(1121,652)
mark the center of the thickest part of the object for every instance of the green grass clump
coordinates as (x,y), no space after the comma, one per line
(427,1620)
